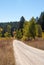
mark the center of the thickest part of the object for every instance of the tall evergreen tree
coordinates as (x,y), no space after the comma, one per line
(21,23)
(41,20)
(32,28)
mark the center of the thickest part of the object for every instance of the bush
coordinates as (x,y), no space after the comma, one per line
(24,38)
(38,31)
(7,34)
(18,34)
(32,28)
(26,33)
(0,34)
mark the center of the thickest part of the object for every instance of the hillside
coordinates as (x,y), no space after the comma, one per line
(12,24)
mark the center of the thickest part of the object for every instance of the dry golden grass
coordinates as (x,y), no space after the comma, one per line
(43,35)
(6,52)
(36,43)
(6,49)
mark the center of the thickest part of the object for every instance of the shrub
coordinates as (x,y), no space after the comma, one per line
(18,34)
(7,34)
(38,31)
(32,28)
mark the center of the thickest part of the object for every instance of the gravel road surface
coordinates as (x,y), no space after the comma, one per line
(27,55)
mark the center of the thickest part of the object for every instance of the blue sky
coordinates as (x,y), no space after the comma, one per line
(12,10)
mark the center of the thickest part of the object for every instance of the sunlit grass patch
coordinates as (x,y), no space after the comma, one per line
(6,52)
(43,35)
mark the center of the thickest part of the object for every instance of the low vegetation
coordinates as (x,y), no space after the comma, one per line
(6,52)
(38,43)
(43,35)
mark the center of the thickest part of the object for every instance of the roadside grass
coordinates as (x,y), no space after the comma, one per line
(43,35)
(6,38)
(36,43)
(6,49)
(6,52)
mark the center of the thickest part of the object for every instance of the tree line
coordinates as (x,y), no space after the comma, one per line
(23,29)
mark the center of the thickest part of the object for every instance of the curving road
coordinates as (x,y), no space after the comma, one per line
(26,55)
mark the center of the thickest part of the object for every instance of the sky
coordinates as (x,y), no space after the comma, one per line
(12,10)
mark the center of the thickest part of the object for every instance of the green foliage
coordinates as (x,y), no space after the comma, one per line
(1,32)
(21,22)
(18,34)
(7,34)
(23,29)
(32,28)
(8,28)
(38,31)
(26,33)
(41,20)
(8,31)
(29,30)
(24,38)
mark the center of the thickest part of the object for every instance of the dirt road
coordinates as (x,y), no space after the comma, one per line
(26,55)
